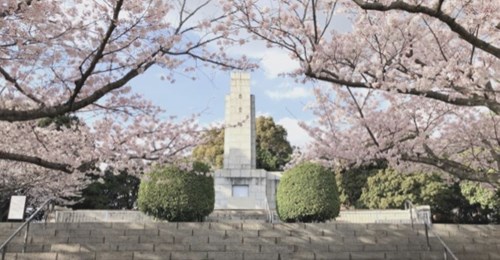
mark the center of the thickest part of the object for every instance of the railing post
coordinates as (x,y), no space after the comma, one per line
(445,254)
(409,205)
(3,252)
(427,236)
(26,236)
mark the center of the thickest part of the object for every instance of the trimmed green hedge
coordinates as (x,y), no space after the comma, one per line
(173,194)
(307,193)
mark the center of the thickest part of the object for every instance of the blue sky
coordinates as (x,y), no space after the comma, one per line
(276,96)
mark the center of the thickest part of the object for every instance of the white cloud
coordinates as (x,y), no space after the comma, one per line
(297,136)
(262,113)
(289,93)
(212,124)
(276,61)
(273,61)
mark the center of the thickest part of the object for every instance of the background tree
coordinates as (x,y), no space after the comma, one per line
(109,192)
(410,134)
(389,189)
(272,147)
(456,202)
(484,203)
(350,183)
(39,184)
(211,151)
(119,144)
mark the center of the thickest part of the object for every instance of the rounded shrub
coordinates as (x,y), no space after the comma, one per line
(173,194)
(307,193)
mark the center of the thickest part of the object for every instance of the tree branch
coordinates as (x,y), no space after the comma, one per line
(436,13)
(455,168)
(99,54)
(25,115)
(361,114)
(35,160)
(12,80)
(470,102)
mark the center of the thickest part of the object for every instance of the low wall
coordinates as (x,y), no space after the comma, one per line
(374,216)
(101,216)
(420,214)
(346,216)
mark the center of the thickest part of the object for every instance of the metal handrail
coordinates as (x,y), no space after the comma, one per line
(409,205)
(447,250)
(26,224)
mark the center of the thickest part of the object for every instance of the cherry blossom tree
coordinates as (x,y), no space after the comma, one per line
(443,50)
(75,59)
(430,68)
(411,134)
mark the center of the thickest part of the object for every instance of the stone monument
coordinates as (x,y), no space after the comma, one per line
(239,185)
(239,136)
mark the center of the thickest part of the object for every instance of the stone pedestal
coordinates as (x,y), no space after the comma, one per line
(226,180)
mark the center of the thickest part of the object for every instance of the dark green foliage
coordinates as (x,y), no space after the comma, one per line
(4,206)
(6,191)
(389,189)
(465,202)
(173,194)
(273,150)
(351,183)
(455,208)
(59,121)
(483,202)
(212,151)
(110,192)
(199,167)
(307,193)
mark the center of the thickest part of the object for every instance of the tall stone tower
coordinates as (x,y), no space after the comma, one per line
(239,137)
(239,185)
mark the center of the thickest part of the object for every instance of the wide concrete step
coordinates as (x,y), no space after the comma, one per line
(252,245)
(143,228)
(449,230)
(262,237)
(229,256)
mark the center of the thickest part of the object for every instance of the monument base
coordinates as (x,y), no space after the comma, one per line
(245,188)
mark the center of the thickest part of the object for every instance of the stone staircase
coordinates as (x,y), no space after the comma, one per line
(245,241)
(471,241)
